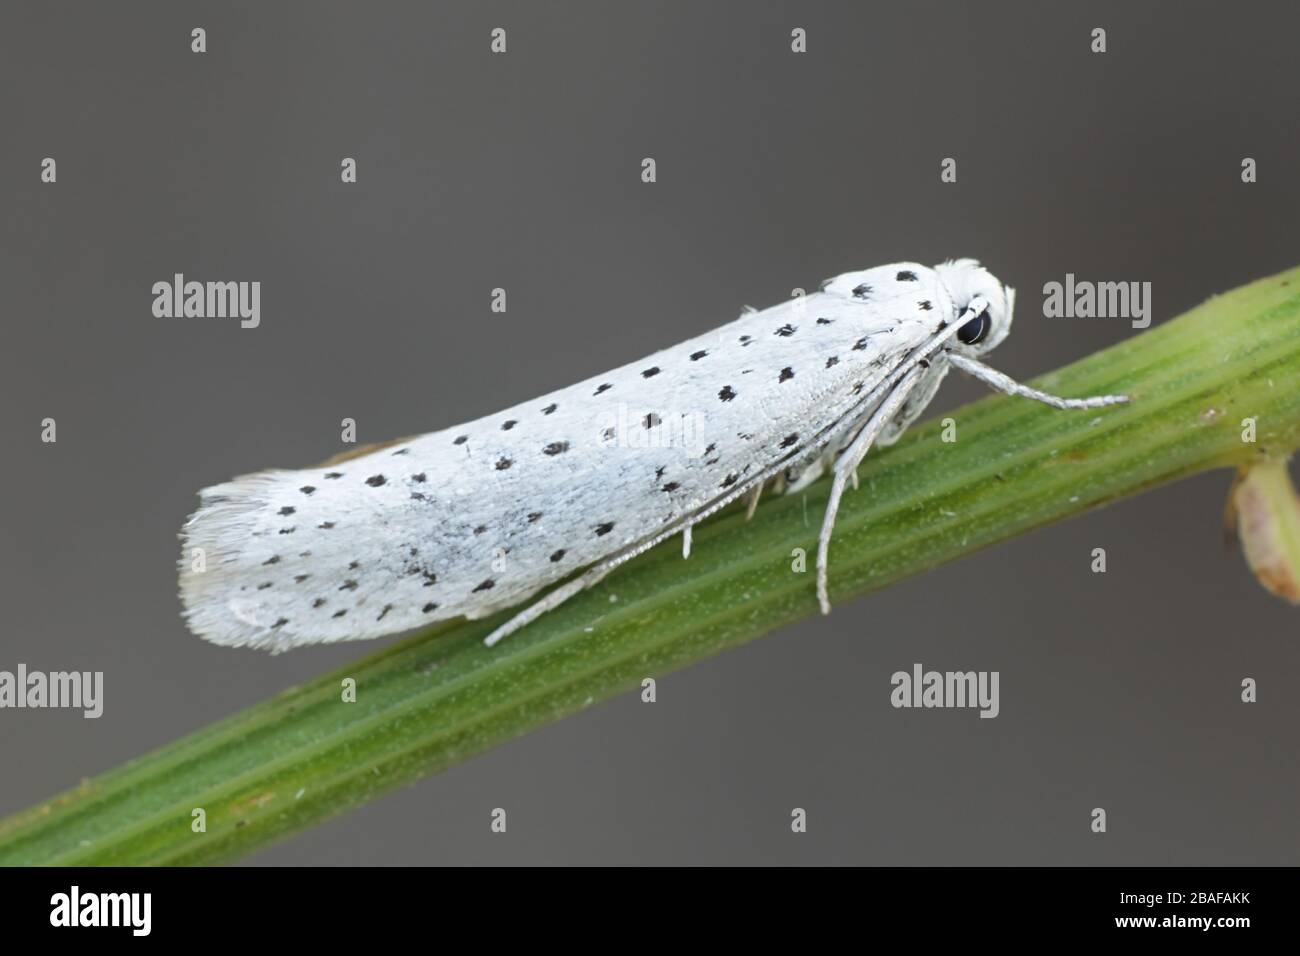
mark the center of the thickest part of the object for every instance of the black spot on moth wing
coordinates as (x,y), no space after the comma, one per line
(832,361)
(789,440)
(924,305)
(307,489)
(420,478)
(431,606)
(458,440)
(503,463)
(549,408)
(374,481)
(604,528)
(729,481)
(786,330)
(671,486)
(727,393)
(906,275)
(487,585)
(556,556)
(825,321)
(862,291)
(333,475)
(651,420)
(339,613)
(650,372)
(556,448)
(602,388)
(508,424)
(286,511)
(696,356)
(534,517)
(274,559)
(787,373)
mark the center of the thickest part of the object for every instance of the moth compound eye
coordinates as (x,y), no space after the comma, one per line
(975,330)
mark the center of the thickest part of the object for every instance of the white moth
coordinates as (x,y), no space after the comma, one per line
(480,517)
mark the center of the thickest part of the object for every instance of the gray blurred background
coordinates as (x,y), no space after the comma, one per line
(775,170)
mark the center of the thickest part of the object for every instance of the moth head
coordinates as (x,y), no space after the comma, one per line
(983,306)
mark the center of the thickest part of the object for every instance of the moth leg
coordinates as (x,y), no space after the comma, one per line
(686,541)
(802,479)
(916,404)
(753,502)
(846,468)
(1008,385)
(554,599)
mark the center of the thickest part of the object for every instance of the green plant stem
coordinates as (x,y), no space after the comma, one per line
(434,700)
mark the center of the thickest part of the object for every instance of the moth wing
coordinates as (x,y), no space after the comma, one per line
(469,519)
